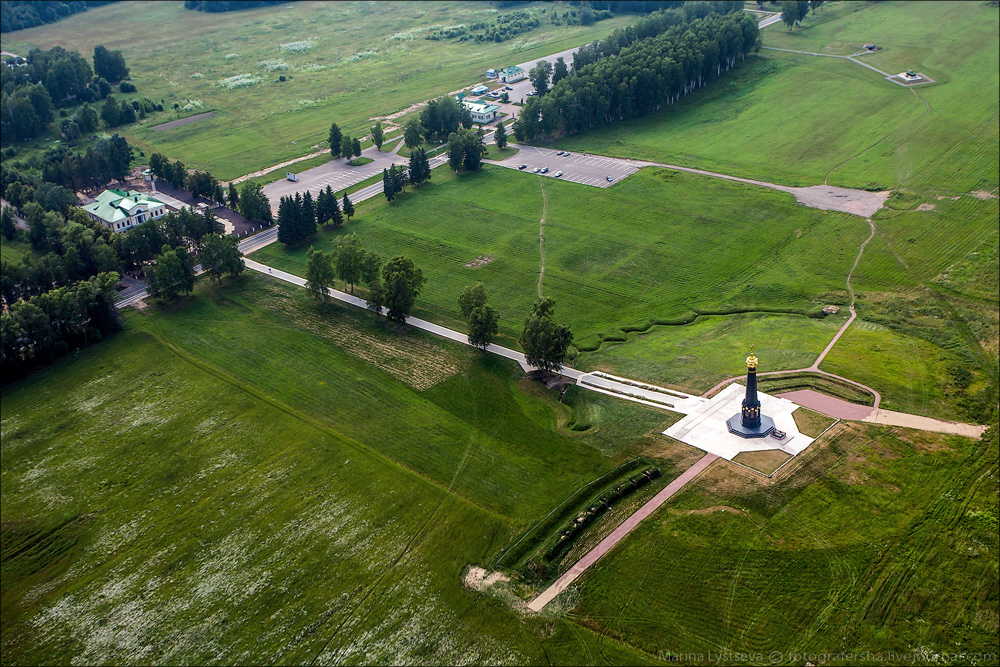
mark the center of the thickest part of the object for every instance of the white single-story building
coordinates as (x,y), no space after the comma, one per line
(492,74)
(479,90)
(482,113)
(118,210)
(512,74)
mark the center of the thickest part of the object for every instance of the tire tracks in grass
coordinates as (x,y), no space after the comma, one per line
(898,129)
(410,547)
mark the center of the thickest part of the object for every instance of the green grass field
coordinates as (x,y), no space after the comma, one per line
(367,59)
(695,357)
(882,540)
(247,477)
(749,248)
(163,502)
(781,118)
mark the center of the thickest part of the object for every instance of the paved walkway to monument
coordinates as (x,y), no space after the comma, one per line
(608,543)
(841,409)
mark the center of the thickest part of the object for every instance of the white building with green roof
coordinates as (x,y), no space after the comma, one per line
(482,113)
(512,74)
(119,210)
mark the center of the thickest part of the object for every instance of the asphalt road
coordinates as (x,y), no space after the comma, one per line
(577,167)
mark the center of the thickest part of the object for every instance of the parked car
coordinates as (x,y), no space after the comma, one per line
(559,153)
(545,170)
(508,87)
(532,93)
(610,179)
(523,166)
(536,170)
(557,174)
(567,154)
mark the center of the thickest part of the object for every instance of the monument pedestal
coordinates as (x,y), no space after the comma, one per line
(735,425)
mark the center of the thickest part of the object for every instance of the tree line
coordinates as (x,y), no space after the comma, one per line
(643,77)
(793,12)
(22,14)
(64,299)
(299,216)
(230,5)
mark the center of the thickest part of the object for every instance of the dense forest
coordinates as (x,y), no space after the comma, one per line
(33,88)
(21,14)
(642,67)
(229,5)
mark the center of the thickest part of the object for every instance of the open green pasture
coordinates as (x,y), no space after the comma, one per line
(344,62)
(927,301)
(168,498)
(910,373)
(657,246)
(695,357)
(799,119)
(881,540)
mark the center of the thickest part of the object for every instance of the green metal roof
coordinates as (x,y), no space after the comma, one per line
(114,205)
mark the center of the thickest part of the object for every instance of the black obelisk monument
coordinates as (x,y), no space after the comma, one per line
(750,423)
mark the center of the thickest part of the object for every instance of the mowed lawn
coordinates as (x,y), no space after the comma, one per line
(657,246)
(165,502)
(799,120)
(344,62)
(881,540)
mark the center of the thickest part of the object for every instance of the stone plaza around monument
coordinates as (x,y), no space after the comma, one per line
(706,428)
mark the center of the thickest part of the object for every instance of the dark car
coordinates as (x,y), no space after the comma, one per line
(610,179)
(508,87)
(523,166)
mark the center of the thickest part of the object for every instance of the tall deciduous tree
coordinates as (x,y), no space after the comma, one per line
(221,254)
(412,133)
(483,319)
(402,282)
(560,71)
(319,273)
(233,197)
(346,147)
(456,151)
(375,300)
(254,204)
(539,76)
(545,342)
(109,64)
(484,325)
(174,273)
(348,257)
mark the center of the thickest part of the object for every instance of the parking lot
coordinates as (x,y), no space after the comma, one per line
(577,167)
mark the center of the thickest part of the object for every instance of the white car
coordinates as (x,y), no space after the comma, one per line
(536,170)
(557,174)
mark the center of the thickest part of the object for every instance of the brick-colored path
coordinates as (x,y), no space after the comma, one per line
(605,545)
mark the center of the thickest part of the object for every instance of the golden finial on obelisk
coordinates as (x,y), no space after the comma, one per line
(752,360)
